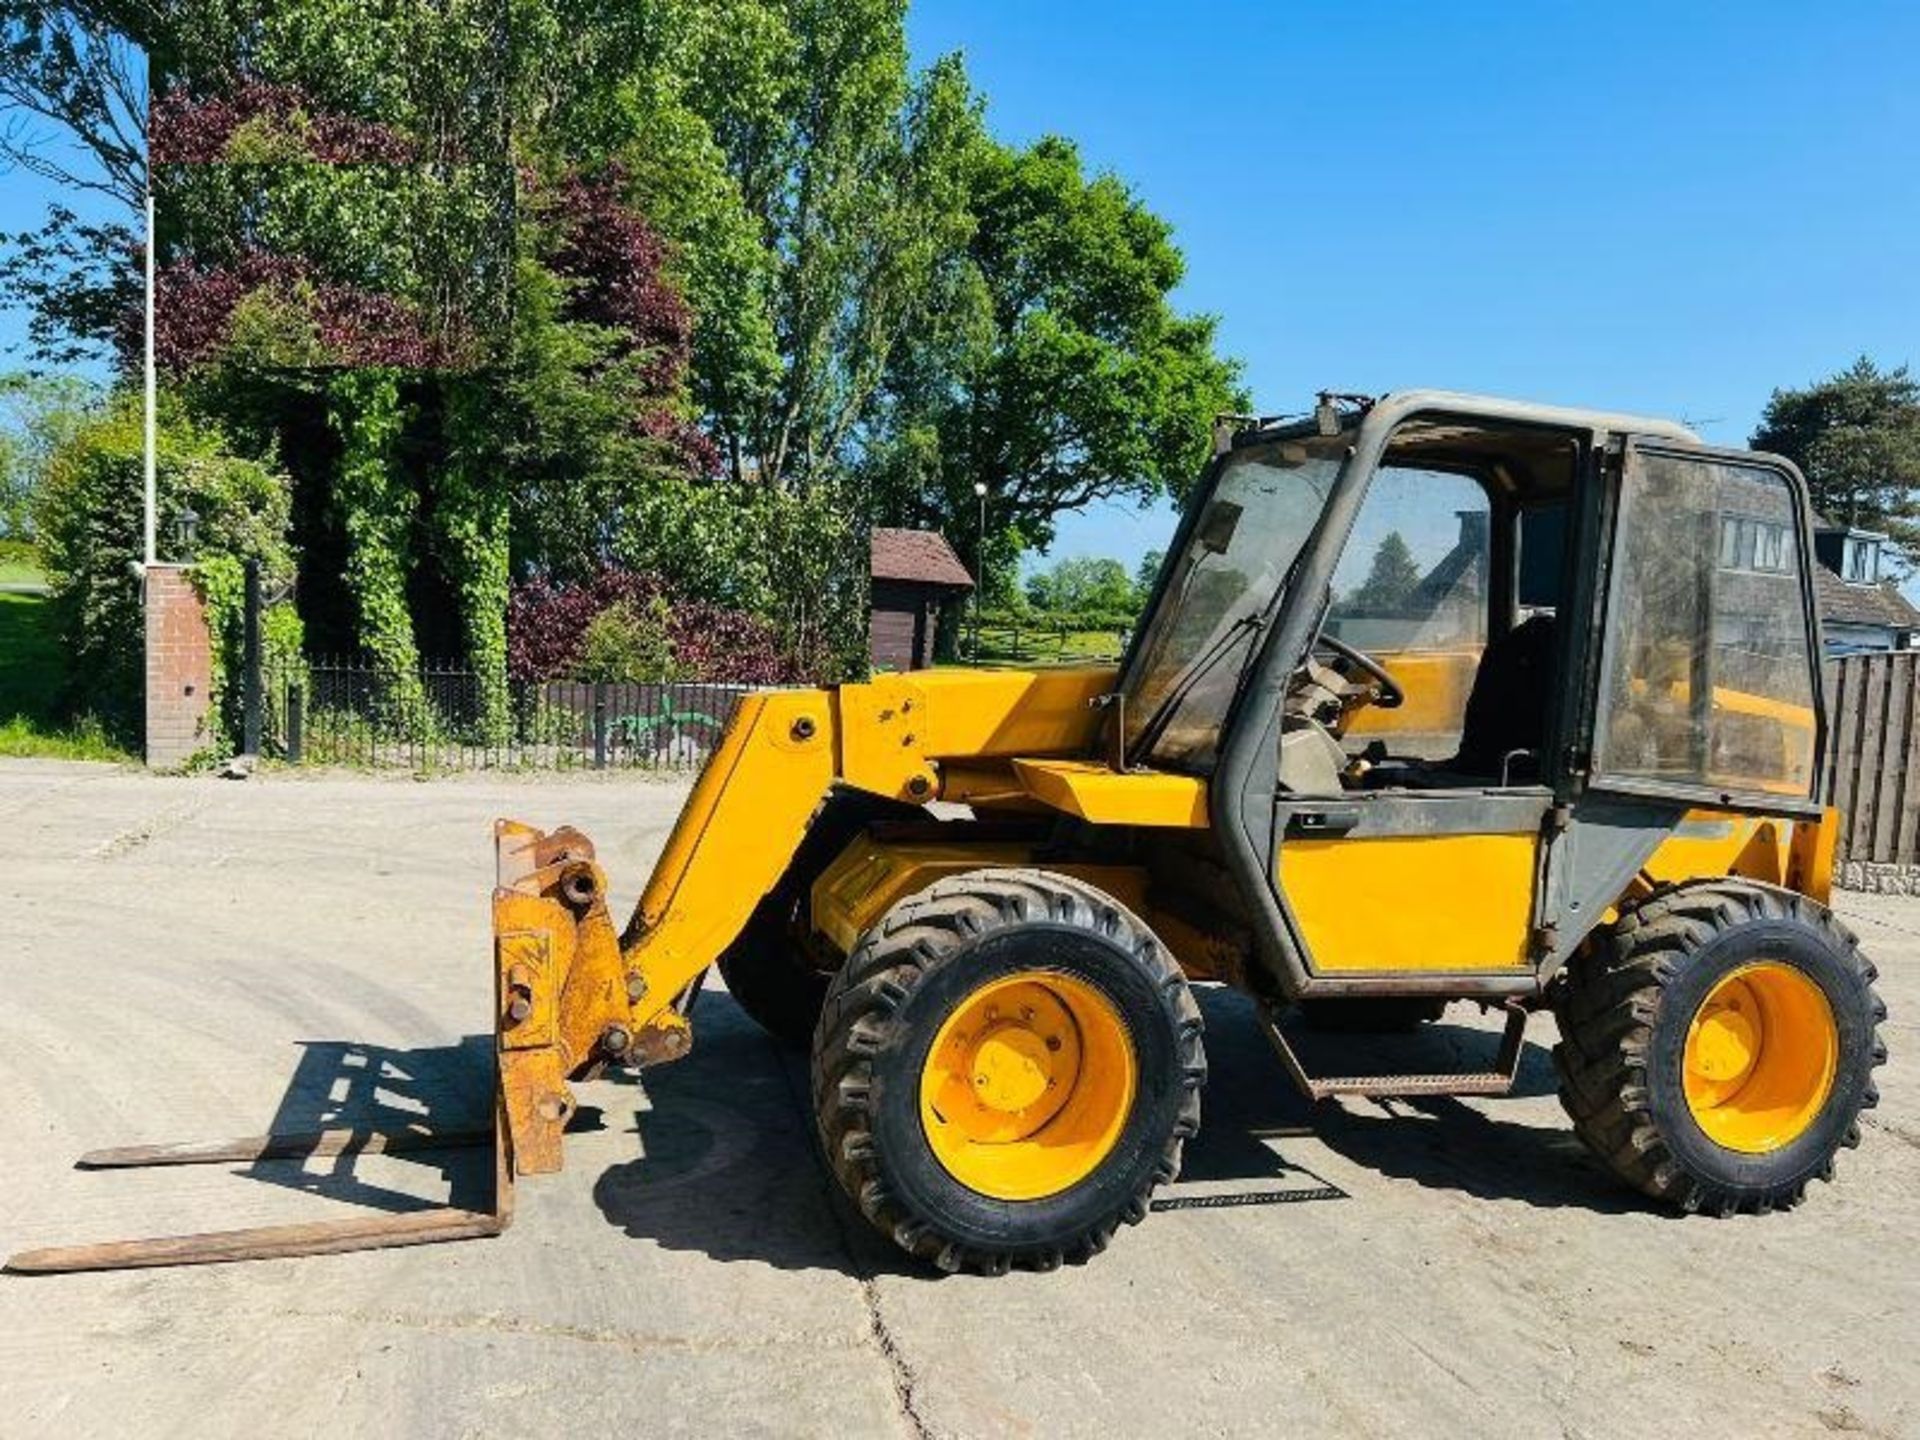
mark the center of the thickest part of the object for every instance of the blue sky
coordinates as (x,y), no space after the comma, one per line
(1666,208)
(1661,208)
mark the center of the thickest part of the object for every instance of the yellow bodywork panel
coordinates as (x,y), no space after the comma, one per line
(1810,855)
(781,753)
(1706,844)
(1106,797)
(871,876)
(1711,843)
(1412,902)
(896,729)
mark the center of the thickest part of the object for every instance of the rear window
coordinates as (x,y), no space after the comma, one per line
(1709,674)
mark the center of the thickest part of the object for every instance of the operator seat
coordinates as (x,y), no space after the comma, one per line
(1507,708)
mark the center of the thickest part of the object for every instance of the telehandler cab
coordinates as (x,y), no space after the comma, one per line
(1438,698)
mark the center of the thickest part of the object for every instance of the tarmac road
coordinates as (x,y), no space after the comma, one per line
(195,958)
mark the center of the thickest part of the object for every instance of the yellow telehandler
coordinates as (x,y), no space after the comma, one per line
(1438,698)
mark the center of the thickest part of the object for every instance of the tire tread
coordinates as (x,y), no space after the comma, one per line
(1607,1009)
(913,937)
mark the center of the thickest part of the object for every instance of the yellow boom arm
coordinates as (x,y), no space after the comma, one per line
(572,998)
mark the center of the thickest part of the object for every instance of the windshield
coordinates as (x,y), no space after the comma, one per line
(1264,504)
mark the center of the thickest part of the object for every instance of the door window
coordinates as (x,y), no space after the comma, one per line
(1411,590)
(1709,674)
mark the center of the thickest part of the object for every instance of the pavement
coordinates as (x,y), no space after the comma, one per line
(197,958)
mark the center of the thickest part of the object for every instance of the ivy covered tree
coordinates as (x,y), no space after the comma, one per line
(527,288)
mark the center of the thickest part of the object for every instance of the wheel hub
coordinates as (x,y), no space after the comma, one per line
(1027,1085)
(1013,1067)
(1760,1059)
(1726,1042)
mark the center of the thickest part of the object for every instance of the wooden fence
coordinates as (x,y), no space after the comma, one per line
(1873,756)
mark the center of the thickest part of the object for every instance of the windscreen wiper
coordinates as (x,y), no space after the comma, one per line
(1196,670)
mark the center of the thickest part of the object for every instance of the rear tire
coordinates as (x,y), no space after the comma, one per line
(1718,1045)
(893,1132)
(771,968)
(770,975)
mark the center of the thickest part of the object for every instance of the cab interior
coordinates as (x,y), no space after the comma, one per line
(1441,644)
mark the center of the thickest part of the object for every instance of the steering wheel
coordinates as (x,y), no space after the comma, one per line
(1390,696)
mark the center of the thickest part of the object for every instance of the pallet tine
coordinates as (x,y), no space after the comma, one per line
(317,1144)
(273,1242)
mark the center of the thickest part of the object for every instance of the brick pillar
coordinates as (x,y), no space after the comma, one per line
(179,667)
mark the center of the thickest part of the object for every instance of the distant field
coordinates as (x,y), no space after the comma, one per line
(30,661)
(17,571)
(1040,644)
(29,657)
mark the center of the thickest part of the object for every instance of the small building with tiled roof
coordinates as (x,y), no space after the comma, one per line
(915,573)
(1859,611)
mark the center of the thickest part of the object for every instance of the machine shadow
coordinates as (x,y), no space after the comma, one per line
(729,1165)
(348,1085)
(1437,1142)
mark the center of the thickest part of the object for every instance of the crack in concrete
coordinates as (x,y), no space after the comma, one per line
(1898,1131)
(900,1372)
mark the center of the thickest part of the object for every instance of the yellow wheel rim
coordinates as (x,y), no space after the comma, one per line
(1760,1058)
(1028,1085)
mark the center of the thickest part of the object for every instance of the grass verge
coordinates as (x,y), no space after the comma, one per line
(30,668)
(22,739)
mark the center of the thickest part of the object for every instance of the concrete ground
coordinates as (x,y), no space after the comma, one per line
(198,958)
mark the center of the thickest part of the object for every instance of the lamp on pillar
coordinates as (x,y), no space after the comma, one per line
(186,529)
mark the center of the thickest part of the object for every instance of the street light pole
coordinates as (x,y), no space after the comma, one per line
(979,564)
(150,461)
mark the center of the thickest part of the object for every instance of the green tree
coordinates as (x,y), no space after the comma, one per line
(1147,573)
(1081,584)
(1391,581)
(87,517)
(813,181)
(1856,437)
(38,414)
(1058,372)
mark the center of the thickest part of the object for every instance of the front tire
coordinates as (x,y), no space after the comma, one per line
(1005,1069)
(1718,1045)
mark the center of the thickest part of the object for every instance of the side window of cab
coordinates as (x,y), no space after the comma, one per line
(1411,590)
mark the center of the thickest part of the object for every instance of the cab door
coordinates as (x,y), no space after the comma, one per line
(1435,884)
(1440,872)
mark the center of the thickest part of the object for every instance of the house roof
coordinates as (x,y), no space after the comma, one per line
(1824,525)
(1862,604)
(918,555)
